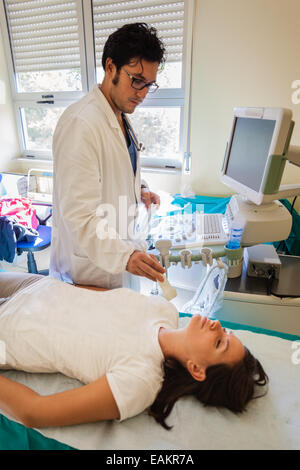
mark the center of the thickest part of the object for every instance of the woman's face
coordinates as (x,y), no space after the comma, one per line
(208,344)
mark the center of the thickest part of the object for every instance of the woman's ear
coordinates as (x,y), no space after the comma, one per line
(197,371)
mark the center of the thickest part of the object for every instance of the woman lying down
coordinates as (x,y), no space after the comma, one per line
(123,346)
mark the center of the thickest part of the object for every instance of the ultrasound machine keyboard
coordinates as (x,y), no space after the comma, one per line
(191,230)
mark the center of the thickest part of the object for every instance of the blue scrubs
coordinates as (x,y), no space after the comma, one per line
(131,148)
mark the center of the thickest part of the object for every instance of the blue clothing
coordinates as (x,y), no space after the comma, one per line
(132,153)
(8,240)
(131,148)
(11,232)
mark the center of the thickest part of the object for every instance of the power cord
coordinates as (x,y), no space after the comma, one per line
(270,279)
(293,203)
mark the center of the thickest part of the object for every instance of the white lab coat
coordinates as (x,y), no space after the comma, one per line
(91,166)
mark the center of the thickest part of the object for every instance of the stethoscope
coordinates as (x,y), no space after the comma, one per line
(139,146)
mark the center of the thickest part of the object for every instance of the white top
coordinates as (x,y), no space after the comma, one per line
(92,167)
(52,326)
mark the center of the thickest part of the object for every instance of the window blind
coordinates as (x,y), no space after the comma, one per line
(165,15)
(43,34)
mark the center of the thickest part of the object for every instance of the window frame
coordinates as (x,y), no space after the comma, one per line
(167,97)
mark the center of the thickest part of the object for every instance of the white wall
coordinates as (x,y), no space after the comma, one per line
(9,147)
(246,53)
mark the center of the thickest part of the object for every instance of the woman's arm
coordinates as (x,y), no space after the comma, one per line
(88,403)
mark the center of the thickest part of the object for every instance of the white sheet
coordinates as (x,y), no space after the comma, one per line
(271,422)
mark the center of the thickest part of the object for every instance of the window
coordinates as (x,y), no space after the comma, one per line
(54,58)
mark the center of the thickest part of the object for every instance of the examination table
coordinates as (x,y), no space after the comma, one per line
(270,422)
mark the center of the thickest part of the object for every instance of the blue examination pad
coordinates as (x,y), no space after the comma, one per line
(207,204)
(15,436)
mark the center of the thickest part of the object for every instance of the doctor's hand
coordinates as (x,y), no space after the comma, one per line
(145,265)
(148,198)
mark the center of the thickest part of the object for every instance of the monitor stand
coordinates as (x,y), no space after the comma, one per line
(264,223)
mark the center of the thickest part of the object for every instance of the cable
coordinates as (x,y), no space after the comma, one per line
(293,203)
(270,279)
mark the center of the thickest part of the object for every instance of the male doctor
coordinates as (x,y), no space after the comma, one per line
(96,170)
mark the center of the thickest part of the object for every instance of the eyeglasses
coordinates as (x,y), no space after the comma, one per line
(138,84)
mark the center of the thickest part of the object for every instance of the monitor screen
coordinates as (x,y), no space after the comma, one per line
(249,151)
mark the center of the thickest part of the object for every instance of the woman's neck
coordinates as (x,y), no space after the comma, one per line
(171,343)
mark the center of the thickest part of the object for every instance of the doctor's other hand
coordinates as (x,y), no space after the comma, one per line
(148,198)
(145,265)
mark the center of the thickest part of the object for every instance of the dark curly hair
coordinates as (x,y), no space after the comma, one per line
(135,40)
(227,386)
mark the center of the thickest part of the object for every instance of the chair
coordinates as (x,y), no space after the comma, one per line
(40,243)
(37,186)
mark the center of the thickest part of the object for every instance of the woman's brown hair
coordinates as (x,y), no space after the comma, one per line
(227,386)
